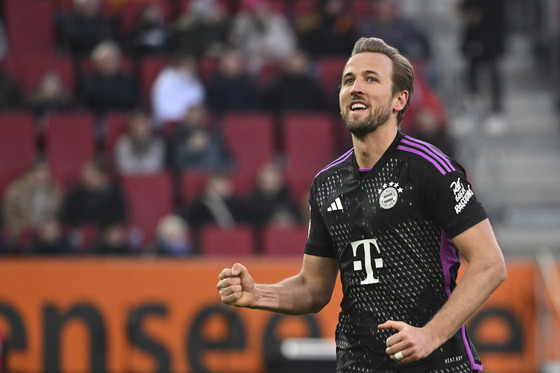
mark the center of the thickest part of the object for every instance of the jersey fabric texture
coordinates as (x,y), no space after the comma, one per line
(390,229)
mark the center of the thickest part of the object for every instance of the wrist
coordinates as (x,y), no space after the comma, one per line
(435,336)
(263,298)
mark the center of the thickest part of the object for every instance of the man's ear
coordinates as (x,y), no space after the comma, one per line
(401,99)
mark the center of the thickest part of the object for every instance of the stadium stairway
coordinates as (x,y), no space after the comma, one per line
(515,172)
(518,171)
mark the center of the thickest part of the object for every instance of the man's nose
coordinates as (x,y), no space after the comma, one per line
(357,87)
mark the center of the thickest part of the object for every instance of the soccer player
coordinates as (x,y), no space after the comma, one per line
(393,215)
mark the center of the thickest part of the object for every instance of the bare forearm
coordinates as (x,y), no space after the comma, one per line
(485,272)
(475,287)
(309,291)
(291,296)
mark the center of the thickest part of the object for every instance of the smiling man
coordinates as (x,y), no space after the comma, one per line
(393,215)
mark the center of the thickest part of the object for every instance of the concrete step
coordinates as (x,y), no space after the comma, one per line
(531,112)
(506,175)
(518,242)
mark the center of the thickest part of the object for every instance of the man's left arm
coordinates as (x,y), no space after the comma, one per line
(486,270)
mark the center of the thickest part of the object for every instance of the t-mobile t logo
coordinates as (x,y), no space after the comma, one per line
(366,245)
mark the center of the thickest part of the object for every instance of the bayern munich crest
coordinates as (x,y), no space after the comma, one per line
(389,195)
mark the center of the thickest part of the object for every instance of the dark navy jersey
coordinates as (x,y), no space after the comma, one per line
(390,229)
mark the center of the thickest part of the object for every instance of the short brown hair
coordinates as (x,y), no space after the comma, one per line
(403,72)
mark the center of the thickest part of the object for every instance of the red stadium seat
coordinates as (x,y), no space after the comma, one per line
(279,6)
(342,137)
(207,67)
(149,198)
(268,73)
(12,65)
(360,9)
(116,124)
(304,7)
(30,27)
(236,241)
(69,144)
(250,139)
(17,146)
(127,65)
(150,67)
(192,183)
(308,147)
(330,76)
(284,241)
(30,71)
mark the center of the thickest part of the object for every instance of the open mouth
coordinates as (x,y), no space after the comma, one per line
(357,106)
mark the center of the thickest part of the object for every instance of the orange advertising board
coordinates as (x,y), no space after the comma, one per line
(136,315)
(504,330)
(144,315)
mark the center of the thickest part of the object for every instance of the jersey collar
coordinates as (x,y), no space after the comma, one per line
(361,173)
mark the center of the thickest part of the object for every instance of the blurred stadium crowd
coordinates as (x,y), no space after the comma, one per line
(181,127)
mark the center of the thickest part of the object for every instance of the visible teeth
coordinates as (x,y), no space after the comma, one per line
(358,106)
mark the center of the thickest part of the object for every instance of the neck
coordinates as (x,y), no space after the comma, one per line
(368,150)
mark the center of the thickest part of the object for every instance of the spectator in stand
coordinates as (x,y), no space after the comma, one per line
(50,240)
(176,88)
(424,97)
(231,87)
(427,118)
(108,87)
(11,95)
(96,200)
(203,29)
(139,151)
(386,22)
(261,34)
(194,144)
(296,88)
(217,205)
(84,27)
(327,31)
(29,202)
(270,202)
(483,44)
(150,34)
(112,240)
(172,237)
(50,95)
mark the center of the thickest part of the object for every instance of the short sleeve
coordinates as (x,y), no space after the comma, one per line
(452,201)
(319,242)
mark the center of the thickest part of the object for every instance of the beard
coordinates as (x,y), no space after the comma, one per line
(374,120)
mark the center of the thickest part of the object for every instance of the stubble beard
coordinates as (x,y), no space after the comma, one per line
(374,120)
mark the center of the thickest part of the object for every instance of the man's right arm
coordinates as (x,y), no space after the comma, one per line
(307,292)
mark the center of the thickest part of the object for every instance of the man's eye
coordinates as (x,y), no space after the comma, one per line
(348,81)
(371,79)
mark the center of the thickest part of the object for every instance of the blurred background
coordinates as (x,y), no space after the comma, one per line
(148,143)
